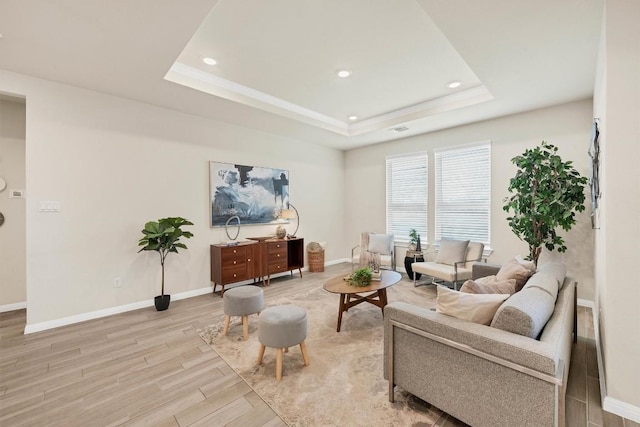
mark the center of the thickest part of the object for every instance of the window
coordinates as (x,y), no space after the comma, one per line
(463,193)
(407,195)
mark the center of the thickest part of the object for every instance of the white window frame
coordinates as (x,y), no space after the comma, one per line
(463,193)
(407,196)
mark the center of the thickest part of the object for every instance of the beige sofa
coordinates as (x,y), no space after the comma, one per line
(480,374)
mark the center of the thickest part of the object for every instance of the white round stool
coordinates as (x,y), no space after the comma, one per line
(242,301)
(281,327)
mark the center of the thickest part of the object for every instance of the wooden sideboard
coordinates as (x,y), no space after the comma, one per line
(236,263)
(282,255)
(256,258)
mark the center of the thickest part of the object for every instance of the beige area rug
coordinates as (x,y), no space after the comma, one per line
(344,383)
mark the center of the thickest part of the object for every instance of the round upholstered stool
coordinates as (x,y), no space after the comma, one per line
(242,301)
(281,327)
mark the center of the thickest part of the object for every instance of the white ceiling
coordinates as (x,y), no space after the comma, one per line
(277,60)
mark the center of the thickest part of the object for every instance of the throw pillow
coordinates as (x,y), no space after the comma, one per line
(512,269)
(545,281)
(478,308)
(557,269)
(525,313)
(529,265)
(484,286)
(380,243)
(452,251)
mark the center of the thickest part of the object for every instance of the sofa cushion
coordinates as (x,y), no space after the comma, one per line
(441,271)
(452,251)
(544,280)
(525,312)
(380,243)
(478,308)
(512,269)
(557,269)
(489,285)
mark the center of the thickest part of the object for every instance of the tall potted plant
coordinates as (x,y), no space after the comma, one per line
(547,193)
(163,237)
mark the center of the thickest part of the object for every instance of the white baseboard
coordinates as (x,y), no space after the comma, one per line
(609,404)
(586,303)
(621,408)
(12,307)
(337,261)
(43,326)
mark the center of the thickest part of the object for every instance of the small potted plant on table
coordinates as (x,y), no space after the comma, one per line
(414,254)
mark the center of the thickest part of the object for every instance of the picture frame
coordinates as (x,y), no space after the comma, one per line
(255,194)
(594,179)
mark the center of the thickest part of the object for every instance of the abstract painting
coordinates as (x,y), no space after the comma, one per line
(255,194)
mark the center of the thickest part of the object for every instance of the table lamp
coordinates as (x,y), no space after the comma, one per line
(291,213)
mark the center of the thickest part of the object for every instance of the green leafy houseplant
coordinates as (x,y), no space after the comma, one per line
(413,237)
(547,193)
(163,237)
(360,278)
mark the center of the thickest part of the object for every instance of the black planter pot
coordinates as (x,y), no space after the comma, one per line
(408,260)
(162,302)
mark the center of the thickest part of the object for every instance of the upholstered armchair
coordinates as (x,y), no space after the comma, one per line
(374,245)
(453,262)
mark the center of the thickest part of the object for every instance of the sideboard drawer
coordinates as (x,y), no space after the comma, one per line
(234,274)
(277,267)
(234,254)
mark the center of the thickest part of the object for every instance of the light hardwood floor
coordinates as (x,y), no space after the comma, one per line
(151,368)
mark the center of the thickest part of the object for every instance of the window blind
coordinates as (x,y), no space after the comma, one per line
(463,193)
(407,195)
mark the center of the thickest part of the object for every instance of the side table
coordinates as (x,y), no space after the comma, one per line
(411,257)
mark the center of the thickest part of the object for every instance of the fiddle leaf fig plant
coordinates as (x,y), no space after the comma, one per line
(163,236)
(547,193)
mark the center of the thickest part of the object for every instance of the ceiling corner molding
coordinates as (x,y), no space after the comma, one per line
(194,78)
(465,98)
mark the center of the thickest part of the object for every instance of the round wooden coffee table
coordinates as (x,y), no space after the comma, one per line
(351,295)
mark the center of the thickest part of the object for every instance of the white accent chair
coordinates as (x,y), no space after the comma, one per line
(453,263)
(371,245)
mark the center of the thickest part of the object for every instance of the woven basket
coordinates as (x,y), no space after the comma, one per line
(315,255)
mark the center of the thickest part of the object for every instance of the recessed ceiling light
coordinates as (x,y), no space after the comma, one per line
(344,73)
(352,118)
(209,61)
(454,84)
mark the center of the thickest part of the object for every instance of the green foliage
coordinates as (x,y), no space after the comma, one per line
(413,234)
(360,278)
(163,237)
(547,193)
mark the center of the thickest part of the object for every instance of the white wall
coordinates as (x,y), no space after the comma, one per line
(114,164)
(13,278)
(566,126)
(617,103)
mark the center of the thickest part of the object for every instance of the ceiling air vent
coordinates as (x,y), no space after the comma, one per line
(400,129)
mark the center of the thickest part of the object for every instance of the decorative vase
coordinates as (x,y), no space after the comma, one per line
(418,247)
(281,232)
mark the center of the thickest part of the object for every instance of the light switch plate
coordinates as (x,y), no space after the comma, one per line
(16,194)
(49,206)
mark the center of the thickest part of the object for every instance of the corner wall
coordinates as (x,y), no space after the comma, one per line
(114,164)
(13,276)
(567,126)
(617,104)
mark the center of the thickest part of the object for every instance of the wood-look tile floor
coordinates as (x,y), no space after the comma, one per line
(151,368)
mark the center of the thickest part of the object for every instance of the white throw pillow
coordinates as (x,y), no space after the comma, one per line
(478,308)
(529,265)
(452,251)
(380,243)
